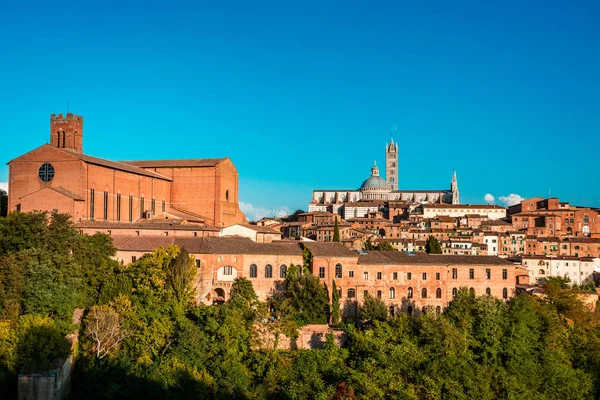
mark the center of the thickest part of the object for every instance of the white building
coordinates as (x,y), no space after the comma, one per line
(578,270)
(259,234)
(489,211)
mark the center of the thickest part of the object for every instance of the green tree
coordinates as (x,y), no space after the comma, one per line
(372,309)
(181,276)
(336,312)
(336,231)
(307,260)
(385,246)
(308,297)
(433,246)
(242,293)
(3,203)
(368,245)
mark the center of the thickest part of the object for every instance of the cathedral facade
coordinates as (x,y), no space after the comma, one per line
(59,176)
(377,189)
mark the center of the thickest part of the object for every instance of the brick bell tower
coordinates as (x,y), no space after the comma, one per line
(67,132)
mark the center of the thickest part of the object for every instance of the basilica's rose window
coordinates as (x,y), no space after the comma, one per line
(46,172)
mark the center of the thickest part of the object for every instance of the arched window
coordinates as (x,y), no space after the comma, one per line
(472,291)
(505,293)
(410,293)
(227,195)
(438,310)
(488,291)
(438,293)
(454,292)
(268,271)
(541,272)
(253,271)
(338,270)
(392,293)
(392,311)
(409,310)
(569,230)
(424,293)
(282,271)
(586,219)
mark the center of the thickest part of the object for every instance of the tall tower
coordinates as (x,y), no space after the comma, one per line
(454,188)
(391,165)
(67,132)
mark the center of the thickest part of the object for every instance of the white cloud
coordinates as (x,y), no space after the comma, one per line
(488,198)
(257,213)
(4,186)
(510,200)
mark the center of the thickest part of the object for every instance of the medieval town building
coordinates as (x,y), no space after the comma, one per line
(94,191)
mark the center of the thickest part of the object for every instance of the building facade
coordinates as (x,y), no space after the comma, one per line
(59,176)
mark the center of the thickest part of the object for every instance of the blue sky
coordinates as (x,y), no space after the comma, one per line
(304,95)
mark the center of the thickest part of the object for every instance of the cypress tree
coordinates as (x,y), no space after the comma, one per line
(433,246)
(336,231)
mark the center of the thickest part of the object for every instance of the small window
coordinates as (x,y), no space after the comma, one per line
(504,274)
(379,294)
(409,276)
(471,273)
(424,293)
(409,293)
(472,291)
(488,291)
(133,259)
(268,271)
(227,195)
(437,276)
(46,172)
(351,293)
(395,276)
(379,275)
(454,273)
(392,293)
(505,293)
(282,271)
(227,270)
(454,292)
(366,276)
(338,270)
(350,274)
(488,273)
(253,271)
(438,293)
(197,263)
(424,276)
(322,272)
(365,293)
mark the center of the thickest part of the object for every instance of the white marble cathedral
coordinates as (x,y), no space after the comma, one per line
(375,189)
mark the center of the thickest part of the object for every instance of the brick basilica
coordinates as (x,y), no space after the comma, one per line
(59,176)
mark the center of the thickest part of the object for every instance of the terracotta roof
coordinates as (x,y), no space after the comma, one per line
(192,162)
(206,245)
(67,193)
(137,225)
(329,249)
(256,228)
(396,257)
(141,243)
(116,165)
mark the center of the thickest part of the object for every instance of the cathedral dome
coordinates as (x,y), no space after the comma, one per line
(373,182)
